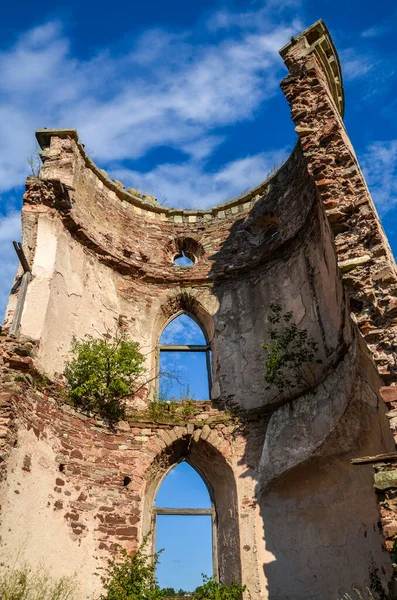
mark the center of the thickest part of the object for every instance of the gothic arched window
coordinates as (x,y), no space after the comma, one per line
(184,360)
(185,522)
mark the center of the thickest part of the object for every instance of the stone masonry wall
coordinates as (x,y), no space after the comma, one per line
(84,278)
(73,485)
(85,486)
(364,256)
(314,92)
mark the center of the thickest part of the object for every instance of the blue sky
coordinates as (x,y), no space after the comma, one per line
(186,540)
(181,100)
(185,373)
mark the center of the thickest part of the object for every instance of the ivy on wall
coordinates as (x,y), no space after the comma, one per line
(291,352)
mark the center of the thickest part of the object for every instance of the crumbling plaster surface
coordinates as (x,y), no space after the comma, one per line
(69,471)
(324,547)
(74,293)
(33,523)
(298,432)
(307,491)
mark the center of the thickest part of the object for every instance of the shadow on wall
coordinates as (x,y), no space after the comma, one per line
(316,534)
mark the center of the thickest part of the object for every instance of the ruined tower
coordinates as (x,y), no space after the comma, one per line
(293,517)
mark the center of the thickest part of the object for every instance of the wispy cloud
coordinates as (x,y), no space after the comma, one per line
(379,163)
(225,19)
(355,64)
(375,31)
(182,330)
(190,185)
(169,90)
(180,90)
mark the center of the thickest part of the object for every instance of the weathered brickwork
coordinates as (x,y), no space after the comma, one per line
(102,477)
(100,483)
(295,518)
(364,256)
(365,260)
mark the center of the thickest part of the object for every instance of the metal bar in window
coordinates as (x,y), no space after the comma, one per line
(183,348)
(21,255)
(215,565)
(185,511)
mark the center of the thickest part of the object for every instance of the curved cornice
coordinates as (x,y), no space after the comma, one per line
(146,203)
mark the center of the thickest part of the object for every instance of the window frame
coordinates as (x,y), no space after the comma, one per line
(164,511)
(186,348)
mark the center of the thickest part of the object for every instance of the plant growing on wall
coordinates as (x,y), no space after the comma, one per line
(103,372)
(166,410)
(132,577)
(291,352)
(370,593)
(212,590)
(34,162)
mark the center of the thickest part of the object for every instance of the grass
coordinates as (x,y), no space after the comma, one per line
(24,583)
(358,595)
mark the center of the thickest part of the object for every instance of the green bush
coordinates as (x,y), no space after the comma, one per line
(212,590)
(290,353)
(132,577)
(103,372)
(26,584)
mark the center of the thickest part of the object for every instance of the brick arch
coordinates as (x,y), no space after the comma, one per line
(189,244)
(184,302)
(204,453)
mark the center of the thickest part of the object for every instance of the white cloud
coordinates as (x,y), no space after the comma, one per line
(191,186)
(182,330)
(379,163)
(170,90)
(263,18)
(375,31)
(180,90)
(10,227)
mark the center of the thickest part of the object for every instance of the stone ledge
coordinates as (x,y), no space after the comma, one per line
(317,39)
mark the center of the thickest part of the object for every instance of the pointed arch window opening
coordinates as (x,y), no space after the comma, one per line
(198,512)
(202,348)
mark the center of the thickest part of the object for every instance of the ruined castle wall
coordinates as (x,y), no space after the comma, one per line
(292,511)
(107,260)
(274,480)
(295,518)
(67,472)
(367,265)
